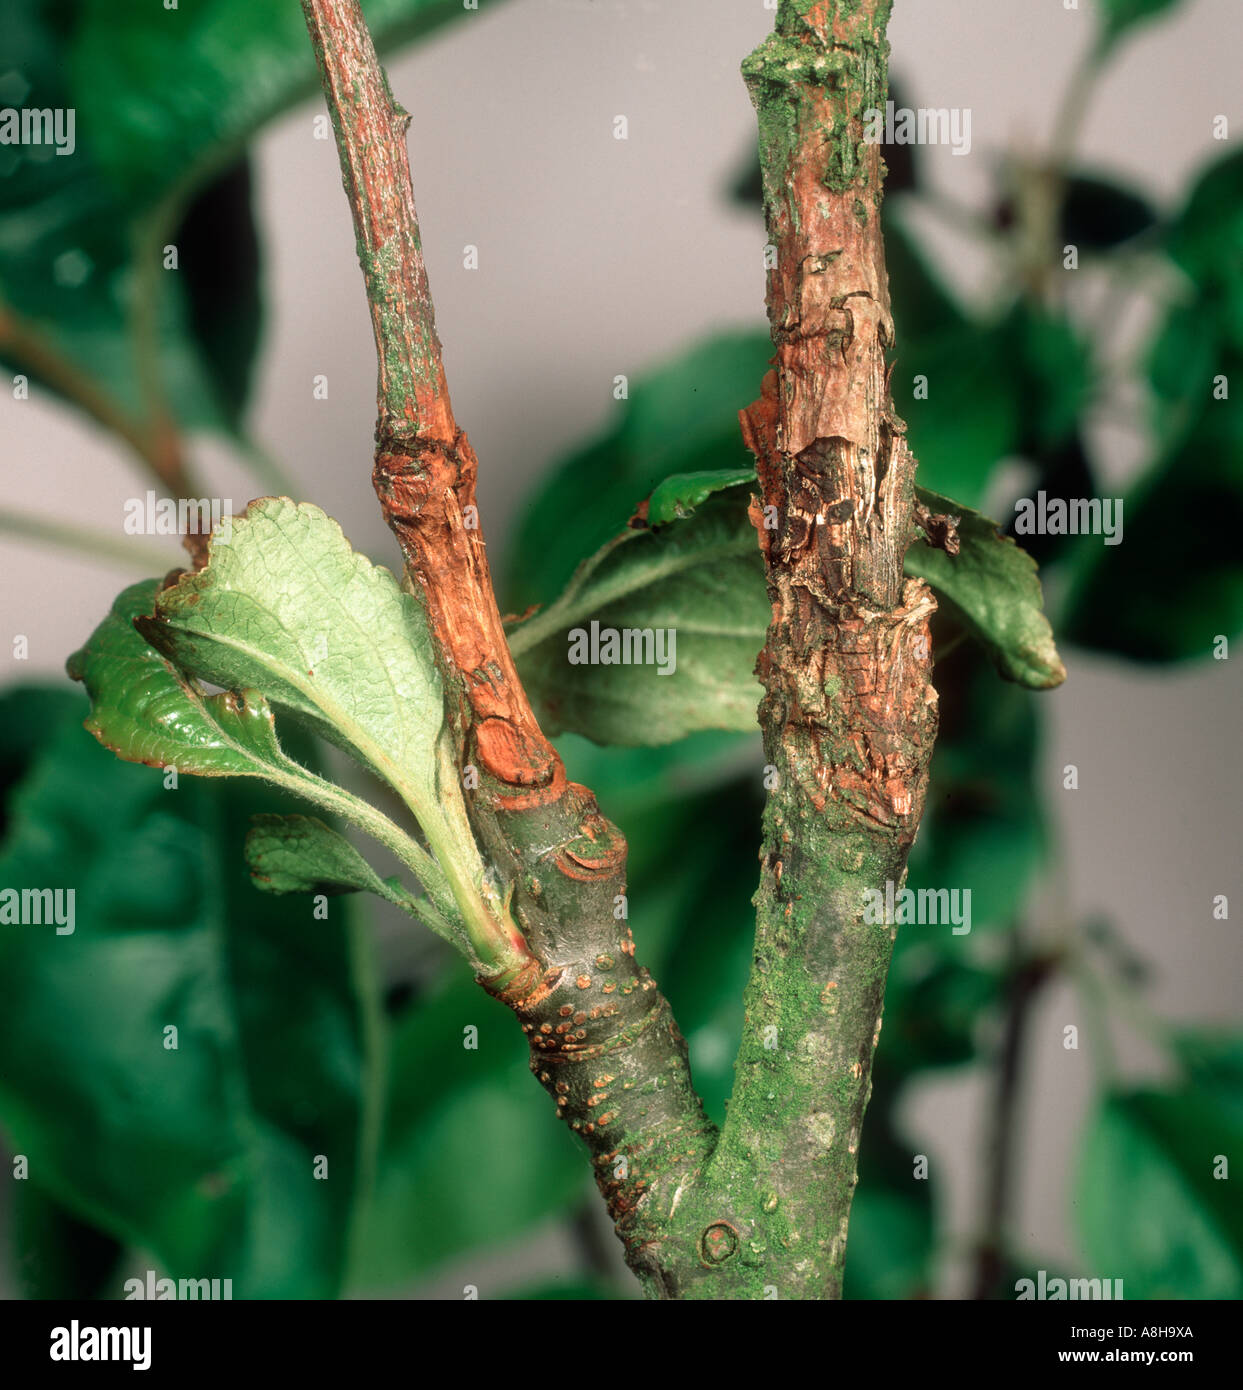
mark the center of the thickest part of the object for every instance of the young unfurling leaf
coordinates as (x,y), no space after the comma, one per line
(300,854)
(287,615)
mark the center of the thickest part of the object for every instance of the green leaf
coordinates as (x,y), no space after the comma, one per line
(681,417)
(167,94)
(992,587)
(1054,375)
(1170,590)
(1183,359)
(203,1152)
(700,576)
(1213,1061)
(934,1001)
(1118,17)
(300,854)
(891,1240)
(1202,336)
(67,242)
(165,99)
(1099,214)
(957,431)
(473,1154)
(286,606)
(700,579)
(1150,1211)
(975,395)
(146,711)
(890,1249)
(677,497)
(960,395)
(1205,237)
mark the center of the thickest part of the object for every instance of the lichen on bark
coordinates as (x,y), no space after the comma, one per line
(849,713)
(602,1038)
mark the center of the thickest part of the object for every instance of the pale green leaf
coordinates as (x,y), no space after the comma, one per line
(286,605)
(146,711)
(300,854)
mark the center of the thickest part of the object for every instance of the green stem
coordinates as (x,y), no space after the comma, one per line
(1074,106)
(440,911)
(132,553)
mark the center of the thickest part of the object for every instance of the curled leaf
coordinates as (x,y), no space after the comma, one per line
(300,854)
(991,585)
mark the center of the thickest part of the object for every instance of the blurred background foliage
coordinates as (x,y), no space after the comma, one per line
(291,1046)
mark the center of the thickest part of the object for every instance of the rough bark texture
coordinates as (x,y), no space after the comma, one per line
(602,1037)
(849,714)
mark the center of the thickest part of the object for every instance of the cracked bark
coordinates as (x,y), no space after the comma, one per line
(602,1037)
(848,712)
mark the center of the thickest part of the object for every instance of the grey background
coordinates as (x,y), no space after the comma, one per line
(599,257)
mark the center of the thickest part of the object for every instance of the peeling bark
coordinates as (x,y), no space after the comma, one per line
(849,714)
(602,1037)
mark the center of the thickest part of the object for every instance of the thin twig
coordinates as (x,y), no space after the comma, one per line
(1026,980)
(581,993)
(130,553)
(23,341)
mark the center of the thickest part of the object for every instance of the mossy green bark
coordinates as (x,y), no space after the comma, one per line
(849,715)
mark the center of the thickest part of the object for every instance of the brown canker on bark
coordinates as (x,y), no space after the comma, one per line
(602,1037)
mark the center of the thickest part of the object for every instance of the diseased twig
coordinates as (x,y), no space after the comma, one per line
(602,1037)
(849,713)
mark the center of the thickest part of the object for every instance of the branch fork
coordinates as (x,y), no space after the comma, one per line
(848,714)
